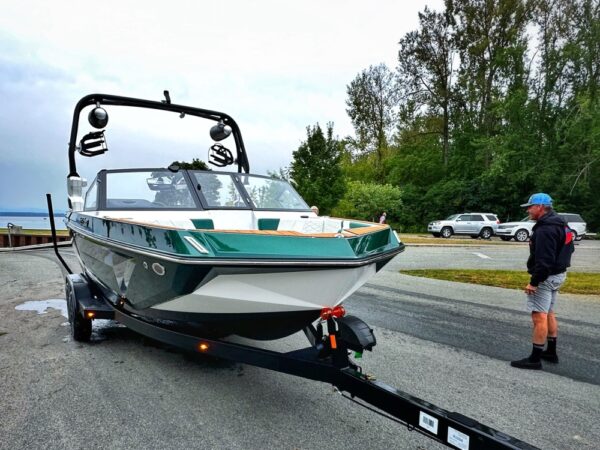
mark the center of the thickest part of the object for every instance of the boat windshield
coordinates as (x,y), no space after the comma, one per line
(270,193)
(155,189)
(219,190)
(237,191)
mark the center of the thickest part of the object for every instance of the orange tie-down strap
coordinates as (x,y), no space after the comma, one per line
(347,232)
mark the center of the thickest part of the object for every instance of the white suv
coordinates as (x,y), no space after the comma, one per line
(521,231)
(472,224)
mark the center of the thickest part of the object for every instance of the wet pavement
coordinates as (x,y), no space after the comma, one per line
(448,343)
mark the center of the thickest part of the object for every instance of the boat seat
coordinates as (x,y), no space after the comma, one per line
(268,224)
(203,224)
(312,226)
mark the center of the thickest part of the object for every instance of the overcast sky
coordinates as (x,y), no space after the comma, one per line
(274,66)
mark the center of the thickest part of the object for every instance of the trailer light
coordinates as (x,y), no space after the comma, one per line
(326,313)
(338,311)
(202,346)
(90,314)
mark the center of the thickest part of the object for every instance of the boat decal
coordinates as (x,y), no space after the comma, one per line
(197,245)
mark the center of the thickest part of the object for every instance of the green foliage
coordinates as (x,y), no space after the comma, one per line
(483,114)
(366,201)
(371,103)
(316,172)
(283,173)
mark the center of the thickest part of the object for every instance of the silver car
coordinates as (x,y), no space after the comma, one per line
(474,224)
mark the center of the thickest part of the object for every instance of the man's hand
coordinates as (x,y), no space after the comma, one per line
(530,290)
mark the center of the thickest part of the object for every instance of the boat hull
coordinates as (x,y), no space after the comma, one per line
(259,301)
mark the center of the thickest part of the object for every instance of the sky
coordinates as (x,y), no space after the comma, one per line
(276,67)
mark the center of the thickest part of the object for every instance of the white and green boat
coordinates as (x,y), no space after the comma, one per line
(223,252)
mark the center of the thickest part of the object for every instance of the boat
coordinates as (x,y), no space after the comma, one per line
(215,251)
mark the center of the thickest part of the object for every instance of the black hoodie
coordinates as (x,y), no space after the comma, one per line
(550,248)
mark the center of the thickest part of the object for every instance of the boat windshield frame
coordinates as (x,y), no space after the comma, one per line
(199,199)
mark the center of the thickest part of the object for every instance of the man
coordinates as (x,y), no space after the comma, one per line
(550,248)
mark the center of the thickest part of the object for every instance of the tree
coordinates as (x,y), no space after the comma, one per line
(366,201)
(495,99)
(315,170)
(196,164)
(425,68)
(372,99)
(283,173)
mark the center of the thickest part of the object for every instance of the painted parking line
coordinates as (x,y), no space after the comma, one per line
(481,255)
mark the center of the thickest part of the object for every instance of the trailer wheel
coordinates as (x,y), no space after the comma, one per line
(81,328)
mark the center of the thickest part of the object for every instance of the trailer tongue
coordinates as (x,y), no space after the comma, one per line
(326,360)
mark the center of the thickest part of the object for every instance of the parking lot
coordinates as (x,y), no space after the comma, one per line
(480,254)
(447,343)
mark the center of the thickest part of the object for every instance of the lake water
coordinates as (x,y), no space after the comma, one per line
(33,223)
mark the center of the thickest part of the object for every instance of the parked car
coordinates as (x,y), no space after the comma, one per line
(520,231)
(473,224)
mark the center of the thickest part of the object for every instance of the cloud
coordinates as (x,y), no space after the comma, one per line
(276,67)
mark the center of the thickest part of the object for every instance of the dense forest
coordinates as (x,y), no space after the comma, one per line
(490,101)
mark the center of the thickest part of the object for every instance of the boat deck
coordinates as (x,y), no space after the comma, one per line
(299,228)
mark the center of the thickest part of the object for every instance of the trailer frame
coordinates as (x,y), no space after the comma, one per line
(326,360)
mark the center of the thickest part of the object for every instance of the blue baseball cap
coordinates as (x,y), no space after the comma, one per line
(538,199)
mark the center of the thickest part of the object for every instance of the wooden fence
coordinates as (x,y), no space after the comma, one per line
(20,240)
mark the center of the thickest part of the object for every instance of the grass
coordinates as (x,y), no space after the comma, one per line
(38,232)
(577,282)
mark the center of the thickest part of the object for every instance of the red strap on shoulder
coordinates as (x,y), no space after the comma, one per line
(568,236)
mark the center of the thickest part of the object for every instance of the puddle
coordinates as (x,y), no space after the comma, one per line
(41,306)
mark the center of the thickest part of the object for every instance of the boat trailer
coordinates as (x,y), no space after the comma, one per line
(327,360)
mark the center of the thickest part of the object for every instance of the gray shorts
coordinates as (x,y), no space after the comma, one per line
(544,298)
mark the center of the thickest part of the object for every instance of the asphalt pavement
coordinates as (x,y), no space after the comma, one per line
(447,343)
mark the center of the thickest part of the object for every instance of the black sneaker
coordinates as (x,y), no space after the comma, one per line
(550,357)
(525,363)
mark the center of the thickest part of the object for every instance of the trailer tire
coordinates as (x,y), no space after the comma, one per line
(81,328)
